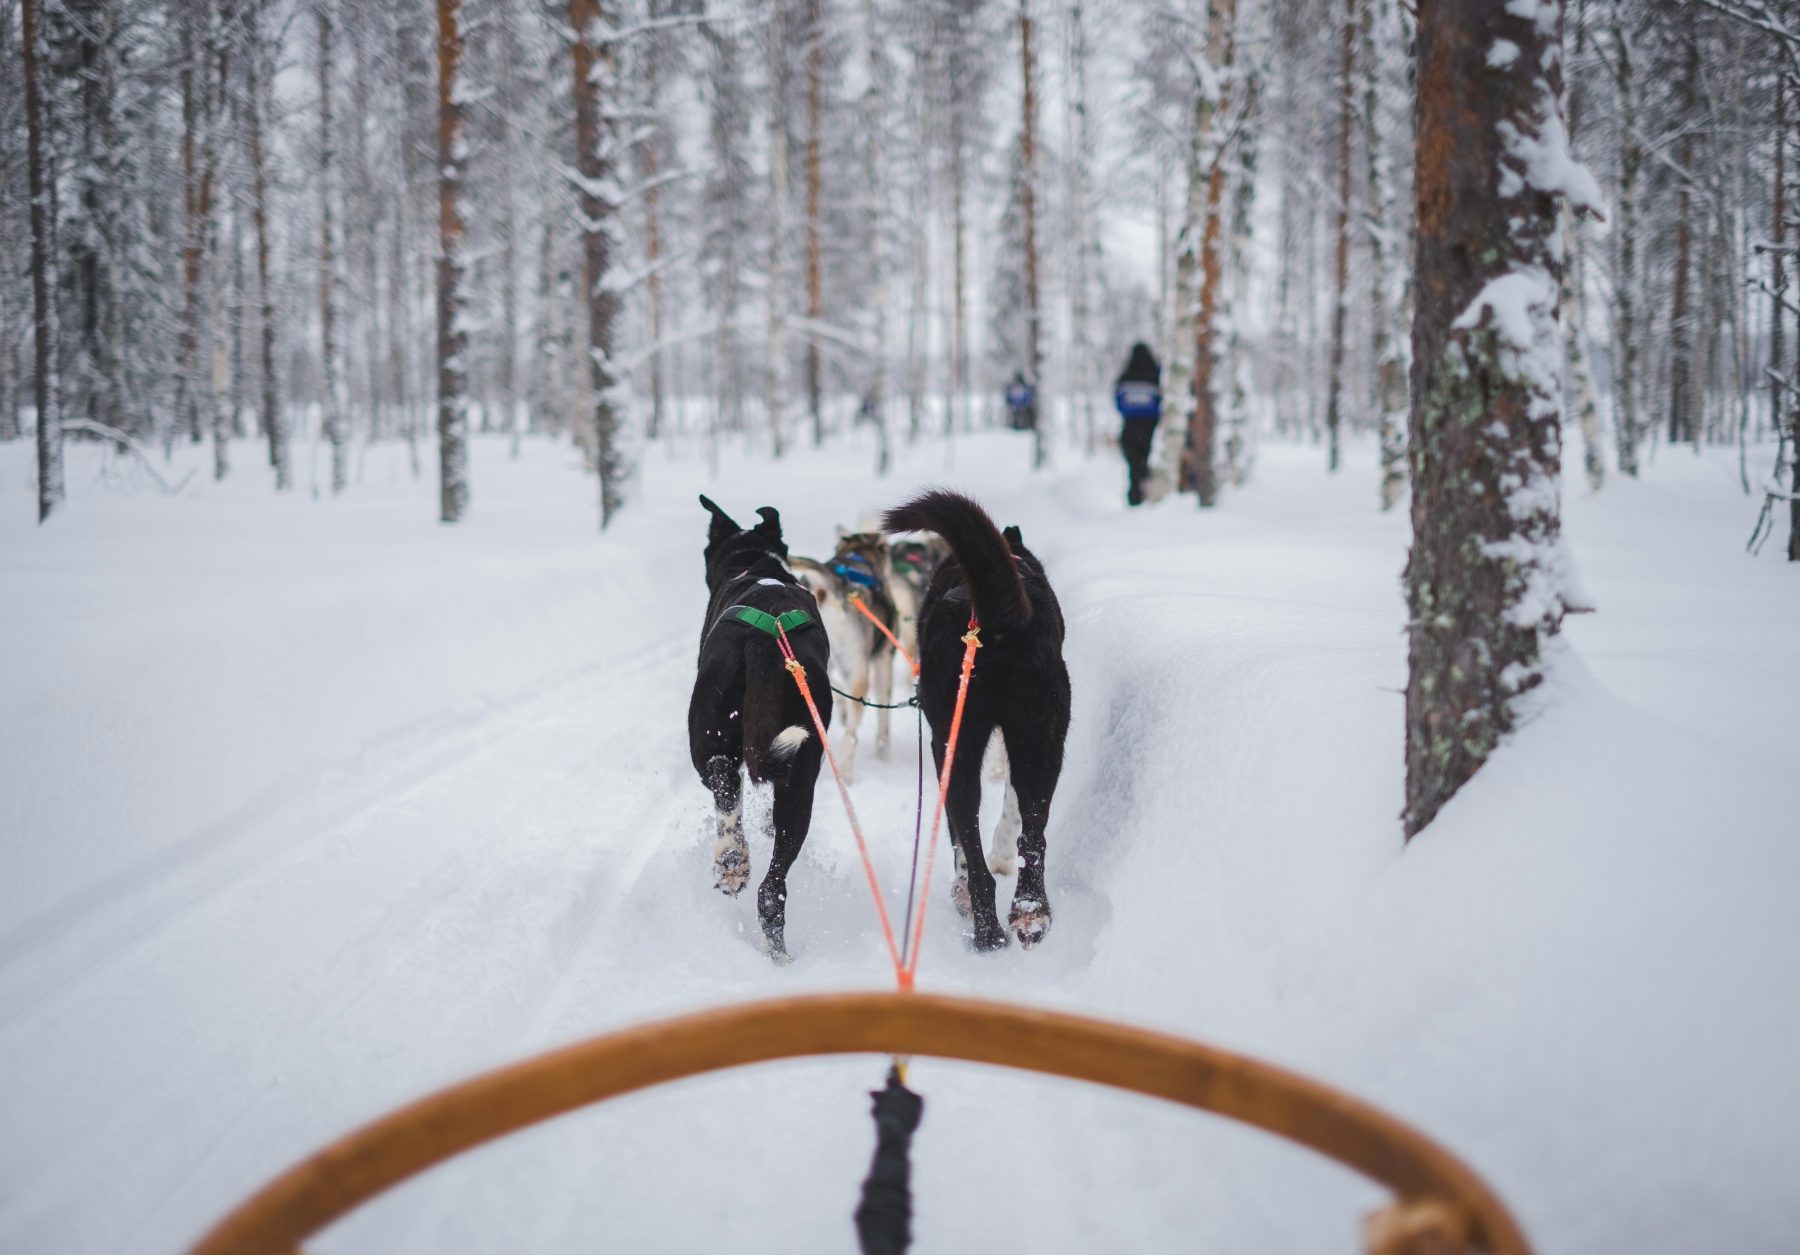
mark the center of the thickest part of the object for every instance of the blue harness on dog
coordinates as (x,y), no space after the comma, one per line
(865,577)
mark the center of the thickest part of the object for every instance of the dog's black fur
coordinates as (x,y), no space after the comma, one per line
(1020,685)
(744,700)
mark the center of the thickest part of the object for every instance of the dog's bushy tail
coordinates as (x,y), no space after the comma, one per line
(985,557)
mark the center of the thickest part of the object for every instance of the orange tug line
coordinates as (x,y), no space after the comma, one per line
(857,601)
(904,972)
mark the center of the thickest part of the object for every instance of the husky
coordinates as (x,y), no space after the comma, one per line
(913,561)
(747,712)
(862,660)
(1020,689)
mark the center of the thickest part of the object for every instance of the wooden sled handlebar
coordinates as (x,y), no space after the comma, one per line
(1442,1206)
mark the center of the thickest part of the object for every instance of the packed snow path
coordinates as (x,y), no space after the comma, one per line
(307,808)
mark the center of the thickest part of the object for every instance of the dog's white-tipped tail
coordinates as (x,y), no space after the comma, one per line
(787,742)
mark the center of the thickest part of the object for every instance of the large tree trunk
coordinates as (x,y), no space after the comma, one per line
(1340,287)
(1203,429)
(815,291)
(452,337)
(46,384)
(956,387)
(331,390)
(1034,337)
(274,423)
(1485,579)
(597,82)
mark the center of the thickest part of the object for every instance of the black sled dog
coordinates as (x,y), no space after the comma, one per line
(747,712)
(1020,688)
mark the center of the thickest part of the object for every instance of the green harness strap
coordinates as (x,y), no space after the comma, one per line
(763,621)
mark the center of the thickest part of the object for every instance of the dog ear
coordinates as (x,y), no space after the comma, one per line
(839,529)
(723,525)
(771,522)
(1014,538)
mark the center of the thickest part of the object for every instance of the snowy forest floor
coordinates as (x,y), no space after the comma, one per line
(308,808)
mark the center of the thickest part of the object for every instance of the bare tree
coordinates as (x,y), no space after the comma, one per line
(46,382)
(1202,466)
(815,292)
(1034,336)
(1340,287)
(331,391)
(452,271)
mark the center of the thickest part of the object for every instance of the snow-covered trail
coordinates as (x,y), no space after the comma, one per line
(323,808)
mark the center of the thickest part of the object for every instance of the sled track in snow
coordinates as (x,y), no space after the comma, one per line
(49,954)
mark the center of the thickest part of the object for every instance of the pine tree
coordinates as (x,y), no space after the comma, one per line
(1485,579)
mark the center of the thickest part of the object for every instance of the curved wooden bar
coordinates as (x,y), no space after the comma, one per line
(337,1179)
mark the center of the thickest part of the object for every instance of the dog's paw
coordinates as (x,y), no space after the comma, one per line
(960,897)
(1002,861)
(990,936)
(1029,920)
(731,866)
(774,949)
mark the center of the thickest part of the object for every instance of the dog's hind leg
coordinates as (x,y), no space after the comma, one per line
(731,853)
(792,818)
(853,713)
(1003,850)
(1035,750)
(884,694)
(962,807)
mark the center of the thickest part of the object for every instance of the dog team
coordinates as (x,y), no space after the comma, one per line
(949,566)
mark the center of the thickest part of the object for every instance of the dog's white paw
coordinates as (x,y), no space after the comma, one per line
(731,860)
(1004,857)
(960,897)
(1030,920)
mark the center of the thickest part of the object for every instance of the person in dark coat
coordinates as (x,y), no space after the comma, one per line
(1138,394)
(1021,403)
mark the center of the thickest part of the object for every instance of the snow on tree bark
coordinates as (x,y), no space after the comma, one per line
(46,381)
(452,334)
(1627,426)
(595,57)
(1486,577)
(1202,465)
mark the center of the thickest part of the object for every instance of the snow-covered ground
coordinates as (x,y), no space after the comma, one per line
(310,807)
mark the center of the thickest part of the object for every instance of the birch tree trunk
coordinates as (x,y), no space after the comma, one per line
(1081,161)
(815,291)
(1581,384)
(1390,365)
(775,363)
(47,387)
(452,336)
(597,85)
(1628,430)
(331,388)
(274,422)
(874,119)
(1340,286)
(1208,342)
(1683,423)
(1033,314)
(1485,579)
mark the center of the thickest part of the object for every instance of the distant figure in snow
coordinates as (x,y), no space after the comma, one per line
(1021,403)
(1138,394)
